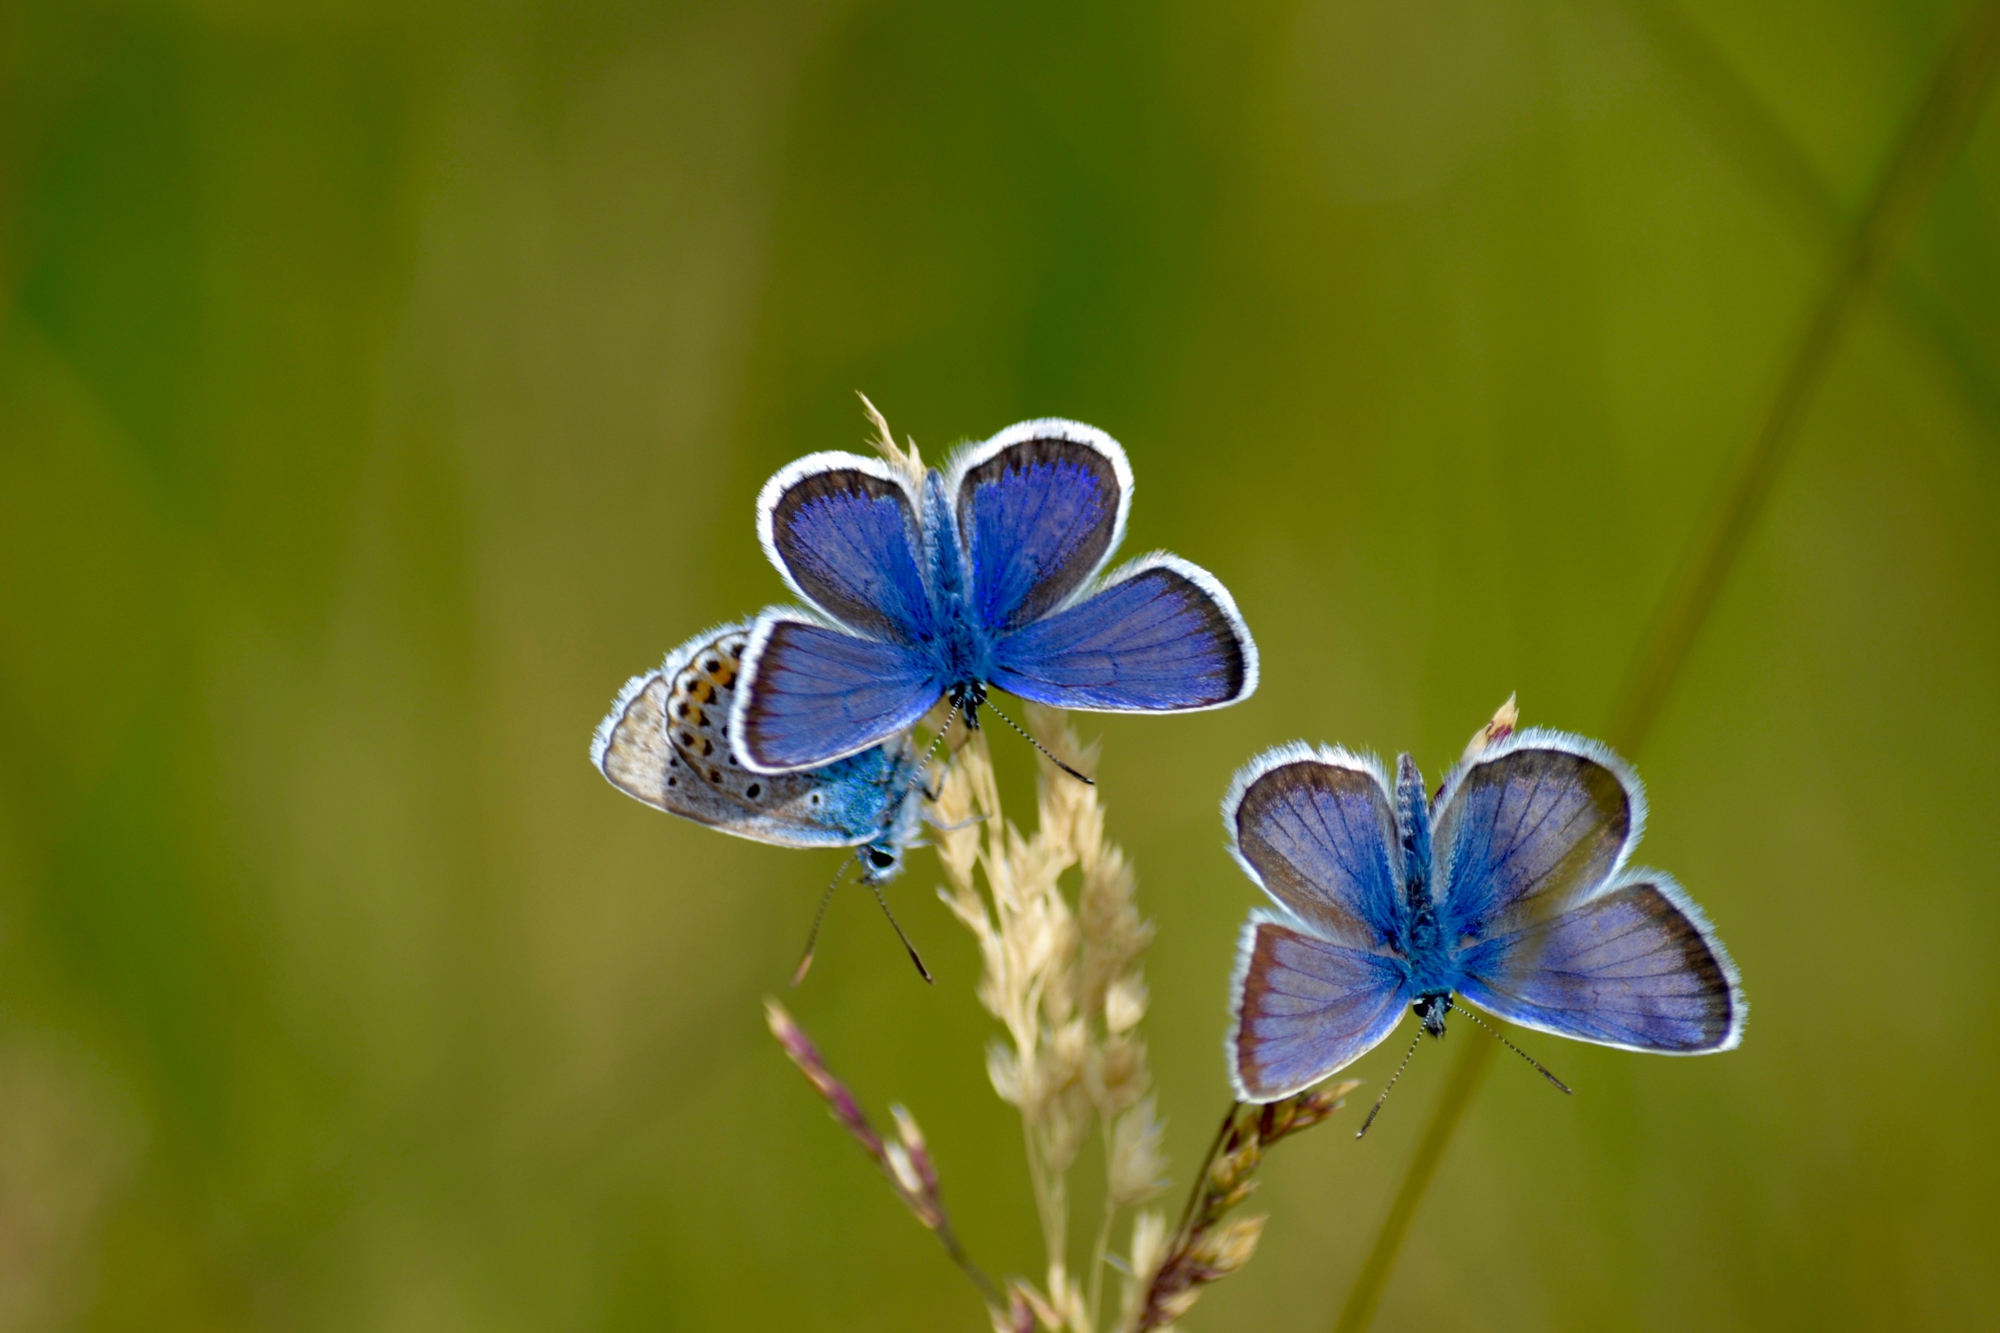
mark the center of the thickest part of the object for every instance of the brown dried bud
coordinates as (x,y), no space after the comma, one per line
(1499,729)
(1205,1249)
(1221,1253)
(1018,1317)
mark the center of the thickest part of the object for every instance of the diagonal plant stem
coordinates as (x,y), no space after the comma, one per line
(1956,95)
(1744,126)
(1948,110)
(1466,1073)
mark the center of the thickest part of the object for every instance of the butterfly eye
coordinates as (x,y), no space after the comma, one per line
(880,858)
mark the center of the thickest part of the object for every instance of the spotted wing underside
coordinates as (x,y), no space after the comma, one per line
(666,743)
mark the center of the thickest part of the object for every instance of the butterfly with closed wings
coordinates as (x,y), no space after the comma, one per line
(666,743)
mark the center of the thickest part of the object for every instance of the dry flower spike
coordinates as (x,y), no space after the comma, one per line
(1062,977)
(1060,972)
(906,1162)
(1207,1249)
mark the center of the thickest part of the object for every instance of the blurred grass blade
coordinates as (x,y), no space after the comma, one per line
(1948,111)
(1744,126)
(1953,102)
(1466,1072)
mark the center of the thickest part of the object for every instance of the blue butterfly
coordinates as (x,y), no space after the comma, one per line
(933,584)
(666,742)
(1510,891)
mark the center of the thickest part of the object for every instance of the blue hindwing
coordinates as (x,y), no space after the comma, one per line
(983,575)
(812,694)
(1161,636)
(1635,967)
(1323,981)
(1303,1007)
(1551,930)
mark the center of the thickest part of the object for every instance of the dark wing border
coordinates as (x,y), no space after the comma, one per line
(767,623)
(1284,756)
(975,456)
(1669,888)
(1362,1040)
(1444,871)
(1210,587)
(801,471)
(971,459)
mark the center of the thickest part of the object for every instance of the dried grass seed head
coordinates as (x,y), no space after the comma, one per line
(1137,1168)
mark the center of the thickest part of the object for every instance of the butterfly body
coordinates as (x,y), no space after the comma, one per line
(665,742)
(1510,891)
(961,646)
(950,582)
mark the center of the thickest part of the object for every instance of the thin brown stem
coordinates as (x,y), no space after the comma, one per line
(949,1239)
(1466,1072)
(1201,1172)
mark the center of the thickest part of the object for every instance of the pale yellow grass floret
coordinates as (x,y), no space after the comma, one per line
(1060,973)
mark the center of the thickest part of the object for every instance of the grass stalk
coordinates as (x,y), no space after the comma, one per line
(1094,1302)
(1956,96)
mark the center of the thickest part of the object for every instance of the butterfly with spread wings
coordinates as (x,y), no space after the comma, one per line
(943,584)
(1510,891)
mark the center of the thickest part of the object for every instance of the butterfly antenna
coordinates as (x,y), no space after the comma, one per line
(915,957)
(1511,1046)
(1039,746)
(812,936)
(933,791)
(923,769)
(1390,1086)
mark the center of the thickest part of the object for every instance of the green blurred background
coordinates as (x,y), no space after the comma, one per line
(382,384)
